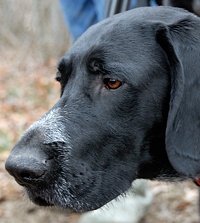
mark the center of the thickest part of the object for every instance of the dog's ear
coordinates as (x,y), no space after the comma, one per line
(181,43)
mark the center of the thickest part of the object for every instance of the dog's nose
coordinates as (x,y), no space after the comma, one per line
(27,171)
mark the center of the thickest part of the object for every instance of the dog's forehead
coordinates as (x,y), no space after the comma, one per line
(128,36)
(132,27)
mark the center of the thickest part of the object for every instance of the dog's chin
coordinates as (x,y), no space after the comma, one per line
(67,199)
(71,206)
(43,203)
(38,199)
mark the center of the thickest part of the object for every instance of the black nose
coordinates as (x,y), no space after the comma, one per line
(27,171)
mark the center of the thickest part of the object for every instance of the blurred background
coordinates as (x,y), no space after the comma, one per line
(32,38)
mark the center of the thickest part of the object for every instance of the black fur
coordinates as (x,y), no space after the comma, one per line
(95,141)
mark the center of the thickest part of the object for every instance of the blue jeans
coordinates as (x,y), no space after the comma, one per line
(79,15)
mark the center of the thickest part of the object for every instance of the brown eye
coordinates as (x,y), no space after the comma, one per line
(111,83)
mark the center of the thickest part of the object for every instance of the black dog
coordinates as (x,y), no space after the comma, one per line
(129,108)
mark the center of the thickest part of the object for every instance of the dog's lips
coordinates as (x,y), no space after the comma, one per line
(37,198)
(41,202)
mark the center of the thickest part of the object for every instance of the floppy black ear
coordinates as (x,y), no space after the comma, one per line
(181,43)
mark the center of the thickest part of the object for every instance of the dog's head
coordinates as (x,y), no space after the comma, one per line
(129,108)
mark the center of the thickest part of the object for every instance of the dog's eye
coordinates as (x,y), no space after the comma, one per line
(111,83)
(58,76)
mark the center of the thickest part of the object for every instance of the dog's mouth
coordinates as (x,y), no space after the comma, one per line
(38,198)
(41,202)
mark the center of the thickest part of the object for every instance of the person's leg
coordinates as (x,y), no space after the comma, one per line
(100,9)
(153,3)
(78,15)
